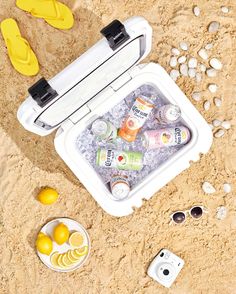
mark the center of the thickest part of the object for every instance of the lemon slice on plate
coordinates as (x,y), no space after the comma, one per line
(59,261)
(65,260)
(54,258)
(81,251)
(71,257)
(76,239)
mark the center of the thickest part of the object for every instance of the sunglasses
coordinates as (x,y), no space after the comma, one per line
(196,212)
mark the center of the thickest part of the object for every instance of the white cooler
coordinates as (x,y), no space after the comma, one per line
(93,84)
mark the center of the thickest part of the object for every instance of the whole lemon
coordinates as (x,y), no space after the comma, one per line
(61,233)
(44,244)
(48,196)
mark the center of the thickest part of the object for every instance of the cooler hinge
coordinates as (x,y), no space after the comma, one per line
(42,92)
(115,34)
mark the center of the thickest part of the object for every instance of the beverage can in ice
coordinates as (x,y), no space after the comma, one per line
(166,137)
(120,187)
(136,118)
(168,114)
(104,130)
(121,160)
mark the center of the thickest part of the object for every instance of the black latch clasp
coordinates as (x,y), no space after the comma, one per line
(42,92)
(115,34)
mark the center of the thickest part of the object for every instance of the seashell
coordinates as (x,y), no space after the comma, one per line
(219,133)
(213,27)
(208,188)
(183,46)
(215,63)
(203,54)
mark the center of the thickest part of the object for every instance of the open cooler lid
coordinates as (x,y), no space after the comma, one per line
(50,103)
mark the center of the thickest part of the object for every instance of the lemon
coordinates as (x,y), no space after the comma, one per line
(59,261)
(44,244)
(54,258)
(76,239)
(61,233)
(71,257)
(66,261)
(81,251)
(47,196)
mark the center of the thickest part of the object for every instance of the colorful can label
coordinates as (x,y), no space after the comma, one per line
(136,118)
(122,160)
(168,114)
(104,130)
(166,137)
(120,187)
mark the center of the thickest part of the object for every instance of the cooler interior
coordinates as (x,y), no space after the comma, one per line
(87,144)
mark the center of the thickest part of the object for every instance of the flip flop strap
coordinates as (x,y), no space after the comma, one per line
(17,58)
(56,9)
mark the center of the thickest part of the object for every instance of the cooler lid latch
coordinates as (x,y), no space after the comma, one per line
(115,34)
(42,92)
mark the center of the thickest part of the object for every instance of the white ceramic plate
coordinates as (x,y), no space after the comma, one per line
(72,226)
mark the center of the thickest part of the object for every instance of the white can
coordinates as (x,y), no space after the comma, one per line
(120,187)
(168,114)
(104,130)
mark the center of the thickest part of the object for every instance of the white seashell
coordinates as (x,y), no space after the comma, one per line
(212,88)
(211,72)
(175,51)
(192,63)
(224,9)
(198,77)
(213,27)
(173,61)
(208,188)
(215,63)
(227,188)
(218,102)
(182,59)
(196,96)
(216,122)
(196,10)
(226,124)
(207,105)
(183,46)
(203,54)
(202,67)
(219,133)
(174,74)
(221,212)
(211,126)
(192,73)
(184,69)
(208,46)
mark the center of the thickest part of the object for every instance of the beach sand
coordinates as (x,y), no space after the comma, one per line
(121,248)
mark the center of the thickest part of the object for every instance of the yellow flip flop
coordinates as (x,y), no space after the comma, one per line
(21,55)
(53,12)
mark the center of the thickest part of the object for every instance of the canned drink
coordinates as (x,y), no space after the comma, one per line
(121,160)
(166,137)
(136,118)
(168,114)
(104,130)
(120,187)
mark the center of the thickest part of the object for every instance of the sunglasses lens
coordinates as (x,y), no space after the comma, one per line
(196,212)
(178,217)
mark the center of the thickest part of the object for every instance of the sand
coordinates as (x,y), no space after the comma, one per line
(121,248)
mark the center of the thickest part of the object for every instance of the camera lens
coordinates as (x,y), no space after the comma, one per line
(166,272)
(162,254)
